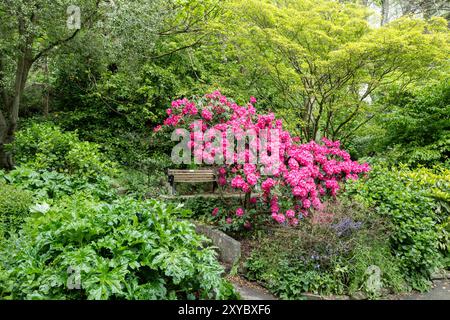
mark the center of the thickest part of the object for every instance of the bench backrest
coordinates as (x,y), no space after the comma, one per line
(205,175)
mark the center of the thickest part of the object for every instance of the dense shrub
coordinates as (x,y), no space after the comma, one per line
(416,202)
(141,183)
(115,111)
(302,175)
(122,250)
(14,207)
(329,254)
(45,146)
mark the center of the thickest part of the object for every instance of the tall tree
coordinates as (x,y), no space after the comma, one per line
(30,29)
(127,30)
(324,60)
(385,7)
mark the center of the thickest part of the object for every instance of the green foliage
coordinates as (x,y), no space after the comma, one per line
(14,207)
(366,254)
(47,185)
(416,204)
(145,183)
(122,250)
(202,206)
(225,219)
(147,178)
(415,127)
(317,63)
(45,146)
(327,257)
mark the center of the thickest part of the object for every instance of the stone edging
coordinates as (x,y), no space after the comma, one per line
(229,249)
(440,275)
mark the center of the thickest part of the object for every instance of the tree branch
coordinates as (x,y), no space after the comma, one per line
(363,123)
(62,41)
(178,49)
(54,44)
(188,25)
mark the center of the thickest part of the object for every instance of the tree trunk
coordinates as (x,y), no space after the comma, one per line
(8,124)
(47,89)
(385,12)
(6,161)
(5,137)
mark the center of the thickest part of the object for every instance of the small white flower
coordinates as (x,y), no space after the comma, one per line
(40,208)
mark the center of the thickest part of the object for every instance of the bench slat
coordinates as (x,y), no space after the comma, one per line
(205,172)
(193,180)
(193,177)
(191,173)
(190,176)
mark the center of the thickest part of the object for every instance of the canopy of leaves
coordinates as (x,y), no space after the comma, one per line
(324,63)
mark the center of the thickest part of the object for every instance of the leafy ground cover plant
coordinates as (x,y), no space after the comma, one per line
(416,203)
(48,185)
(326,255)
(84,249)
(14,207)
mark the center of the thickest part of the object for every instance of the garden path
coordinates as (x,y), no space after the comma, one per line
(252,291)
(440,291)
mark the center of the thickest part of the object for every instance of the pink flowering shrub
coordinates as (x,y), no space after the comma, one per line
(292,177)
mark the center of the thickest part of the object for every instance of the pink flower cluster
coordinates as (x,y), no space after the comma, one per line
(302,174)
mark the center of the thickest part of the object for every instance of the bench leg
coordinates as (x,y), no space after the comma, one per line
(172,184)
(173,189)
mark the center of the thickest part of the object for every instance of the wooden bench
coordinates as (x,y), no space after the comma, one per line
(191,176)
